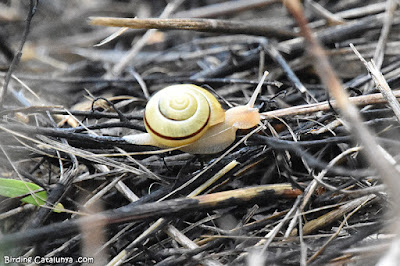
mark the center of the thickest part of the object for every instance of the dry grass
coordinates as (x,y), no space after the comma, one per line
(315,184)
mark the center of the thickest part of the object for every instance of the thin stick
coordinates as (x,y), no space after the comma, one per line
(380,83)
(203,25)
(363,100)
(257,90)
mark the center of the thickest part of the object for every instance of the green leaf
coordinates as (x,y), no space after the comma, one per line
(13,188)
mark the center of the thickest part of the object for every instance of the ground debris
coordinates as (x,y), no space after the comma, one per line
(302,188)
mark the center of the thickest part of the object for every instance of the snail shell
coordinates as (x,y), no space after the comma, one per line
(181,114)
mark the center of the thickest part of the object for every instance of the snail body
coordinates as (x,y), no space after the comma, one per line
(191,118)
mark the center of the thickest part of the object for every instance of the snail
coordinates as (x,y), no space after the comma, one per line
(190,118)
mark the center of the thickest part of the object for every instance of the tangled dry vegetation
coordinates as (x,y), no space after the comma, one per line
(312,185)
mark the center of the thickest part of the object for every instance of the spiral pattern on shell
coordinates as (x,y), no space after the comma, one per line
(181,114)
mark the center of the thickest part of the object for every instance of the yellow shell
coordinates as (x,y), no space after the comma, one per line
(181,114)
